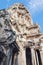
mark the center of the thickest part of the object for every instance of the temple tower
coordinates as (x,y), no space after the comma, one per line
(29,36)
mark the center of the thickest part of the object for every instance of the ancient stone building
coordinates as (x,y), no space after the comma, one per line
(28,36)
(8,45)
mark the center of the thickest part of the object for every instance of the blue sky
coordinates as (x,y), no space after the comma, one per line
(34,6)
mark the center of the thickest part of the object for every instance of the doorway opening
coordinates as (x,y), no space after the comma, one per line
(28,56)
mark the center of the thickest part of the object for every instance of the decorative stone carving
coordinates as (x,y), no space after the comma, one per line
(7,40)
(17,19)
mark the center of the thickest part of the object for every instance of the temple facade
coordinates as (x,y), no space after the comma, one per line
(28,36)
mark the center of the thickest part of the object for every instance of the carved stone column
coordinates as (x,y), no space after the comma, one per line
(37,60)
(33,57)
(21,58)
(41,54)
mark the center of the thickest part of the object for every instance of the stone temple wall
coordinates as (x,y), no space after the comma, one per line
(28,36)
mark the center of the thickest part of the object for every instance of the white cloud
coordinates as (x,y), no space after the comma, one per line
(35,5)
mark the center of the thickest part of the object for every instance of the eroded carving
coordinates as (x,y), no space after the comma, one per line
(8,46)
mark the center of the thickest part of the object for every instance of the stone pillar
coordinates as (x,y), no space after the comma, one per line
(37,60)
(15,61)
(41,54)
(33,57)
(21,57)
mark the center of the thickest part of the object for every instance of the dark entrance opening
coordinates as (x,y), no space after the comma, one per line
(39,57)
(28,56)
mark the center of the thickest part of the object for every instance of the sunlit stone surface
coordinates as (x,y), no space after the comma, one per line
(28,37)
